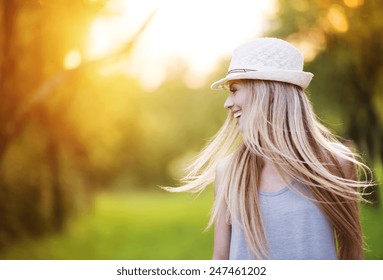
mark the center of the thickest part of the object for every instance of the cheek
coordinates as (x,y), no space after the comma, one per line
(242,99)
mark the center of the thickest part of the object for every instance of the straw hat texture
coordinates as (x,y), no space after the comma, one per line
(266,59)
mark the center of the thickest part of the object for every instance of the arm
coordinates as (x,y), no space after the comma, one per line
(222,230)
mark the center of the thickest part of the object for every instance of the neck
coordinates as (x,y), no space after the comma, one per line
(270,180)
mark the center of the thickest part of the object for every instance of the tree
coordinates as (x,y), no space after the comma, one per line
(46,165)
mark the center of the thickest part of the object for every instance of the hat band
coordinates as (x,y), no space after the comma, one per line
(240,71)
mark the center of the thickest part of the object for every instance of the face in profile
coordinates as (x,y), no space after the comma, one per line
(236,100)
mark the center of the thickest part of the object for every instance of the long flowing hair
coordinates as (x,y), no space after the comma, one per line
(279,125)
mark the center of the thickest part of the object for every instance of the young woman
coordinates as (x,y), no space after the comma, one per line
(285,187)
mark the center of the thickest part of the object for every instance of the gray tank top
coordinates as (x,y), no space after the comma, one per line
(295,227)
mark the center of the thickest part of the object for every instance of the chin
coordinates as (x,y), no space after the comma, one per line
(240,128)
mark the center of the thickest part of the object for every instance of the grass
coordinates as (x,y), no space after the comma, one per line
(147,226)
(130,226)
(373,230)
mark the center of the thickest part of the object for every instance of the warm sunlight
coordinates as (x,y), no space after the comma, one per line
(353,3)
(189,36)
(106,104)
(72,59)
(337,18)
(101,39)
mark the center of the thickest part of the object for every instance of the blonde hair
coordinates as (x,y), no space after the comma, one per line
(279,125)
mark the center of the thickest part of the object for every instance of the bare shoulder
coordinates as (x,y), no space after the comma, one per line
(347,165)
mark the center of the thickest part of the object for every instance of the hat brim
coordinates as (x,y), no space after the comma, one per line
(299,78)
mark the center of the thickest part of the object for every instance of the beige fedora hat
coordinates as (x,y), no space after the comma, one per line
(266,59)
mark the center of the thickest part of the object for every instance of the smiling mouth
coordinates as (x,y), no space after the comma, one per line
(237,114)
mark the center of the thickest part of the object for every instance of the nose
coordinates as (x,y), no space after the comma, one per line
(229,101)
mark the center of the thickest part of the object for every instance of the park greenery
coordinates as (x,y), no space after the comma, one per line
(83,153)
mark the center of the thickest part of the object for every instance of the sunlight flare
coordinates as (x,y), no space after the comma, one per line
(337,18)
(193,33)
(72,59)
(353,3)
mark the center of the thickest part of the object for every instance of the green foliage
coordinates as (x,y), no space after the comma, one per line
(139,137)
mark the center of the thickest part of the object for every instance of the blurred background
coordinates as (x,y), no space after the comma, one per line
(103,101)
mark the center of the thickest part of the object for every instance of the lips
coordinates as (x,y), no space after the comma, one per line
(237,114)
